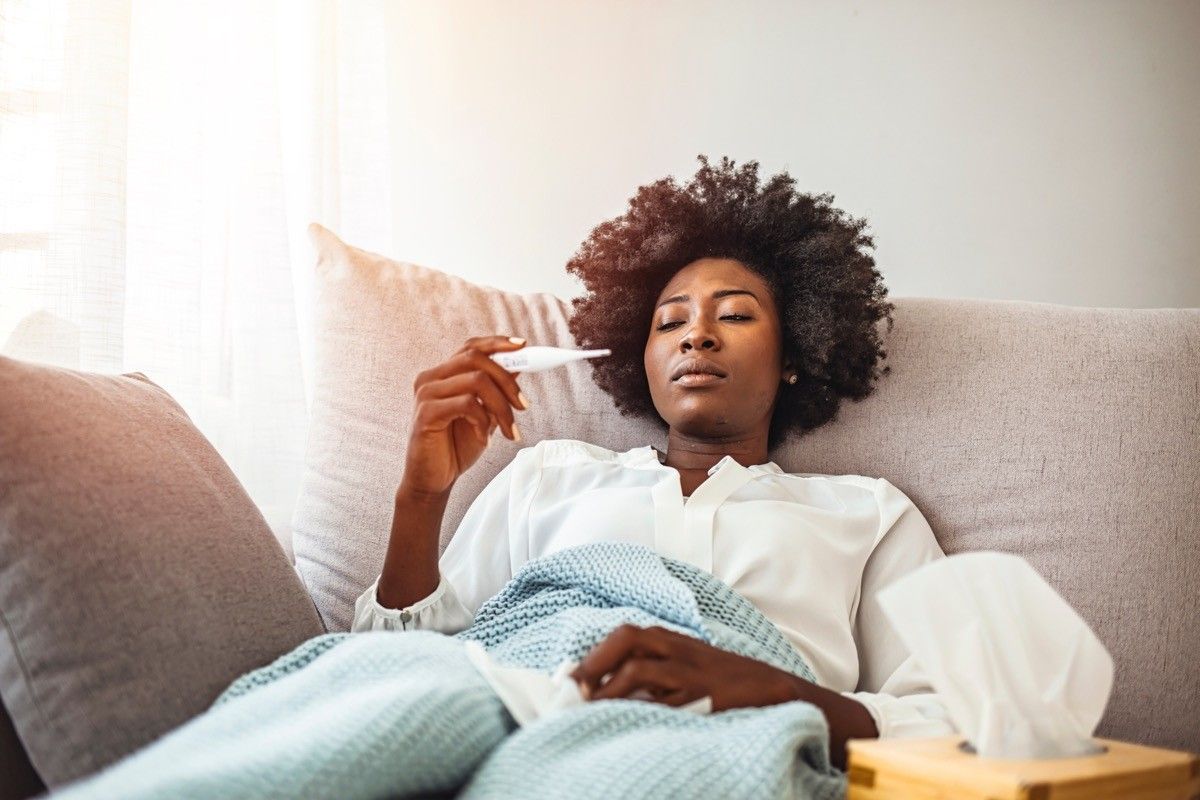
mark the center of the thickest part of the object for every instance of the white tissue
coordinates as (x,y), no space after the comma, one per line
(1021,674)
(529,694)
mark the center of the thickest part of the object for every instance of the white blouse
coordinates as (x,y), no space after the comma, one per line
(809,550)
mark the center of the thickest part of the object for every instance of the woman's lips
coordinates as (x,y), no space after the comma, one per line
(697,379)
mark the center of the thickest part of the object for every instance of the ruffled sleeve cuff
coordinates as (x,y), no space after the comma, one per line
(441,610)
(910,716)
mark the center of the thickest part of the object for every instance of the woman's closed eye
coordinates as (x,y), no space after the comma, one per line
(667,325)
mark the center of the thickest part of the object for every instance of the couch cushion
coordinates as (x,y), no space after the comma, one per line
(137,578)
(1068,436)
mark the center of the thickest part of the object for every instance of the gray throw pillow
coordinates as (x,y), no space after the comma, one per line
(137,577)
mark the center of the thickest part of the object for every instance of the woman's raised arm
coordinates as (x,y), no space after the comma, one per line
(459,403)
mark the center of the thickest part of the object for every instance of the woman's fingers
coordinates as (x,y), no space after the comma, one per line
(477,385)
(438,413)
(474,355)
(480,395)
(676,697)
(495,386)
(493,343)
(624,641)
(651,674)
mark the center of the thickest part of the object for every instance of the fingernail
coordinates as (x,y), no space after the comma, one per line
(516,433)
(524,400)
(516,340)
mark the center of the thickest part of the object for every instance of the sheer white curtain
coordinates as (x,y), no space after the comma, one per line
(159,162)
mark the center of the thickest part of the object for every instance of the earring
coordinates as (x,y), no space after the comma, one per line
(792,379)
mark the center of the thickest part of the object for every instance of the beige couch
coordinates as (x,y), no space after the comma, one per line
(1070,436)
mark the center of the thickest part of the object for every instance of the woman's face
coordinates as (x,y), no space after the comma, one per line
(738,334)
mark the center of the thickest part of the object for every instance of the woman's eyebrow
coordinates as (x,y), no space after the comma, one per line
(680,298)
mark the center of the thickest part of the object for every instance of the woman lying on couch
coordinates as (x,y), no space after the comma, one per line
(736,314)
(767,292)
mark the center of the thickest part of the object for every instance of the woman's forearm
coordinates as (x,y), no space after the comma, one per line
(410,567)
(848,719)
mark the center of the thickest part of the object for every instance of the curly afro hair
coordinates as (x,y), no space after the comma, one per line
(829,294)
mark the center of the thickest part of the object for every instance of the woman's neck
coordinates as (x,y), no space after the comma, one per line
(701,460)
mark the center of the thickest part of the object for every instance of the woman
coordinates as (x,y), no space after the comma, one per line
(736,314)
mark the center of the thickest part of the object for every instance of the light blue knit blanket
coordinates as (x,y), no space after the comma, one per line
(406,714)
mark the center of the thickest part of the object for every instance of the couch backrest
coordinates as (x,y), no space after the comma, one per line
(1068,436)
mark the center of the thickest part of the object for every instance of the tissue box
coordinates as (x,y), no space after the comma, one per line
(937,769)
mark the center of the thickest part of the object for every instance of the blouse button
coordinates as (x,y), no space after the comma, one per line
(405,616)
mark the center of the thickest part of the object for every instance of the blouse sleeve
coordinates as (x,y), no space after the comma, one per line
(892,685)
(487,547)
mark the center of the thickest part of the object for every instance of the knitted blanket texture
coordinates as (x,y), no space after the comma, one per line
(399,714)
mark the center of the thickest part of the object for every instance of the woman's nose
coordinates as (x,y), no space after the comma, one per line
(700,339)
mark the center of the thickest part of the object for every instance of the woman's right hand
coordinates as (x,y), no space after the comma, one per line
(459,404)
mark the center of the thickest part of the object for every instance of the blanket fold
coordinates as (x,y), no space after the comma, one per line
(406,714)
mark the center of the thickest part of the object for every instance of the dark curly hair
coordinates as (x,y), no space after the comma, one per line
(829,294)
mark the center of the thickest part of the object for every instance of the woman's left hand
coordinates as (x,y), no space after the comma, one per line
(667,667)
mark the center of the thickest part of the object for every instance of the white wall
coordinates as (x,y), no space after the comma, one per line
(1022,150)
